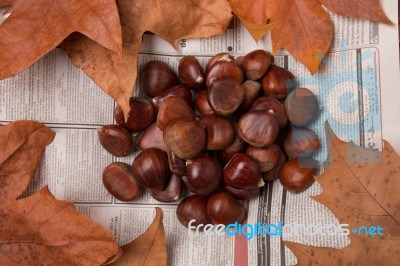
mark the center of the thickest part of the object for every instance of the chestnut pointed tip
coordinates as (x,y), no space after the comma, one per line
(261,183)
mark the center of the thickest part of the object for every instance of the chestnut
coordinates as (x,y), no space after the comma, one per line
(267,157)
(120,182)
(301,107)
(219,131)
(251,90)
(179,90)
(172,192)
(300,142)
(152,137)
(151,169)
(172,109)
(116,139)
(274,107)
(258,128)
(202,104)
(226,154)
(119,116)
(157,76)
(278,82)
(185,138)
(176,164)
(141,114)
(193,207)
(190,73)
(225,67)
(223,208)
(225,96)
(242,171)
(256,63)
(220,56)
(204,175)
(295,178)
(243,194)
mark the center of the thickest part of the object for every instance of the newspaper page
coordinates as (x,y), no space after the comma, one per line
(356,86)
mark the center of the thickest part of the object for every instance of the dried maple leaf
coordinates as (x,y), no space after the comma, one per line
(41,230)
(360,192)
(149,248)
(37,26)
(302,27)
(171,20)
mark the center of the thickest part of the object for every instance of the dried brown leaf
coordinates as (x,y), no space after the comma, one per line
(302,27)
(361,192)
(171,20)
(41,230)
(37,26)
(148,249)
(365,9)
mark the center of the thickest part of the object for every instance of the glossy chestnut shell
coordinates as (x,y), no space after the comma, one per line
(219,131)
(193,207)
(223,208)
(151,169)
(242,171)
(204,175)
(157,76)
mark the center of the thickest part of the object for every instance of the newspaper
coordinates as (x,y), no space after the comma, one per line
(356,86)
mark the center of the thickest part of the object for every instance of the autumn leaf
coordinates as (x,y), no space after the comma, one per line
(41,230)
(148,249)
(361,187)
(171,20)
(37,26)
(302,27)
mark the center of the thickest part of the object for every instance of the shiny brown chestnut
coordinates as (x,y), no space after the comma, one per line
(116,139)
(301,107)
(152,137)
(204,175)
(225,96)
(120,182)
(300,142)
(151,169)
(220,56)
(278,82)
(193,207)
(141,114)
(274,107)
(119,116)
(176,164)
(256,63)
(172,109)
(295,178)
(190,73)
(226,154)
(267,157)
(243,194)
(251,90)
(172,192)
(219,131)
(157,76)
(179,91)
(242,171)
(185,138)
(202,104)
(224,68)
(258,128)
(223,208)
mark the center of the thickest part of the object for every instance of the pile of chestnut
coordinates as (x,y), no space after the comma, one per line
(220,132)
